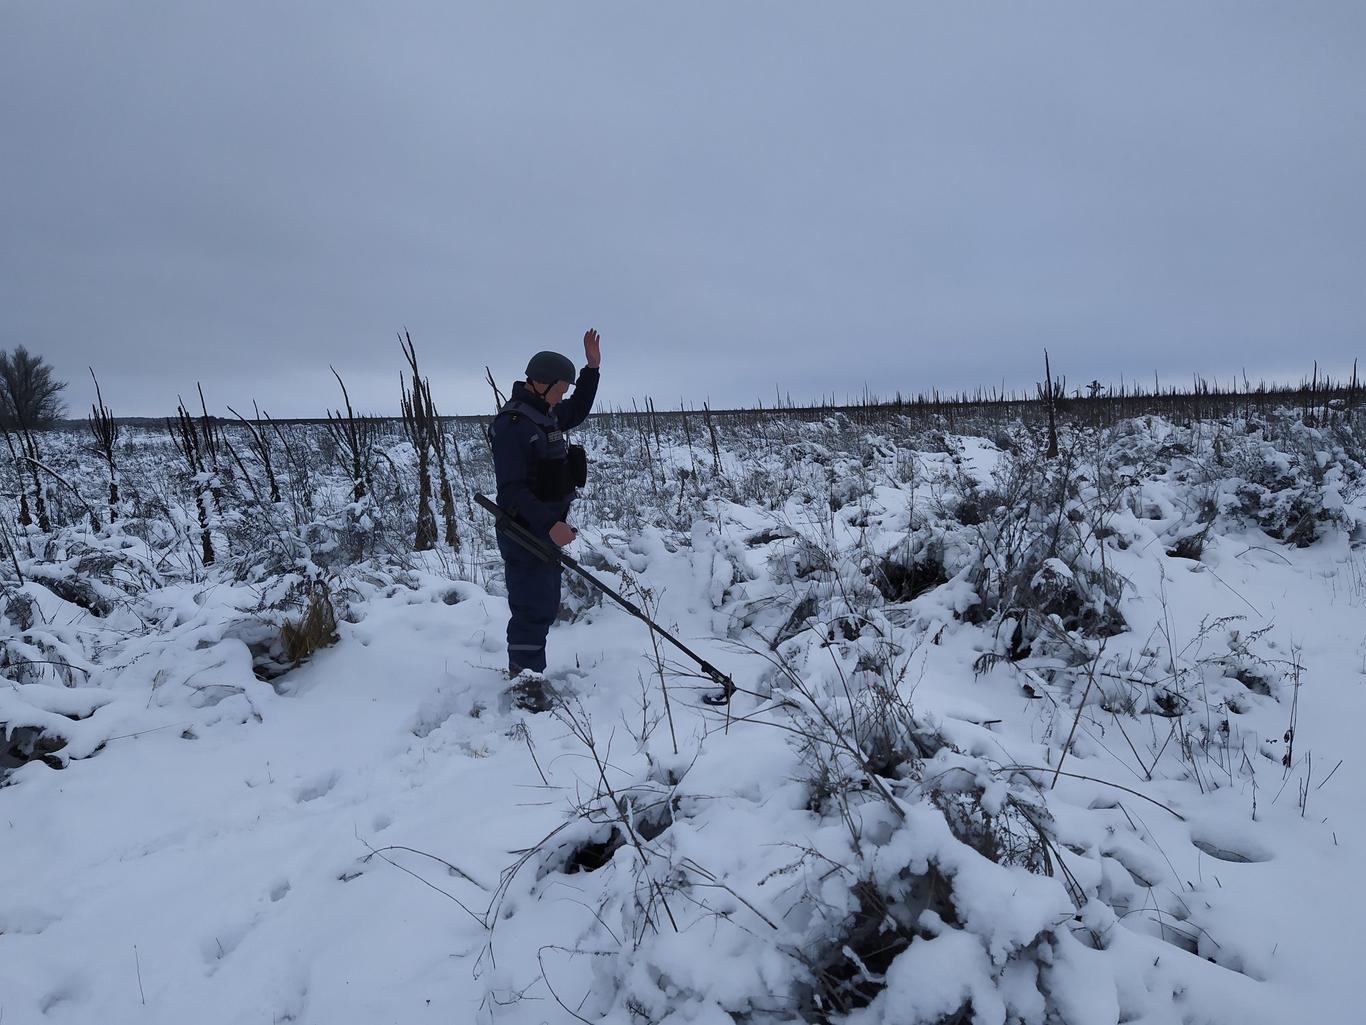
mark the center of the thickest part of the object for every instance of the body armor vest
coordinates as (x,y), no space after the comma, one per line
(559,467)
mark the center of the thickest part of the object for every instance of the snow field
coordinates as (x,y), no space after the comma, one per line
(871,834)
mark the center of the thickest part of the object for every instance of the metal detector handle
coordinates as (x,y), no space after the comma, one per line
(516,531)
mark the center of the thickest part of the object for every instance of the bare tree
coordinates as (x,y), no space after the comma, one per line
(1049,394)
(447,494)
(355,438)
(30,399)
(419,423)
(258,442)
(200,445)
(30,396)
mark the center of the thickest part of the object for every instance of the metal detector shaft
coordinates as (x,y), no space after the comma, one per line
(518,533)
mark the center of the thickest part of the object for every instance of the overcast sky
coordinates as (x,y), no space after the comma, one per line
(737,194)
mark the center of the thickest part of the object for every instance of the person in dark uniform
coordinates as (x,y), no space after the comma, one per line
(538,475)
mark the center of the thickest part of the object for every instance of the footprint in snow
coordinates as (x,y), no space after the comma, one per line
(436,708)
(25,920)
(1237,852)
(216,947)
(321,786)
(73,990)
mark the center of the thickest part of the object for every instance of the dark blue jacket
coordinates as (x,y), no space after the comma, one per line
(519,444)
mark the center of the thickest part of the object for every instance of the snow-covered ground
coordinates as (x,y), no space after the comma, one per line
(999,754)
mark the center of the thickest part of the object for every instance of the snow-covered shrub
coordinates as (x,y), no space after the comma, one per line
(46,664)
(1292,480)
(901,873)
(1041,550)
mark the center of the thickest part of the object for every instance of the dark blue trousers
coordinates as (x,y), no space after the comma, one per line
(534,601)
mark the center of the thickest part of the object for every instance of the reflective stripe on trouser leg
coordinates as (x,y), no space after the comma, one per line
(533,601)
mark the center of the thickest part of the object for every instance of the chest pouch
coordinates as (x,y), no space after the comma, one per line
(553,482)
(578,466)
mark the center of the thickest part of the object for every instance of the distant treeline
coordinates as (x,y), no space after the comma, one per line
(1316,395)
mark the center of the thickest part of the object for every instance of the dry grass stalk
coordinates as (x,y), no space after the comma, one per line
(106,433)
(316,628)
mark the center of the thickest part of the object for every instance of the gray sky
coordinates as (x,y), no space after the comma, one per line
(736,194)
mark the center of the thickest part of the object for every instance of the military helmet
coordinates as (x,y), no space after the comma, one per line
(550,367)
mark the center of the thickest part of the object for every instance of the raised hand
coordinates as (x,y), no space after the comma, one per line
(592,347)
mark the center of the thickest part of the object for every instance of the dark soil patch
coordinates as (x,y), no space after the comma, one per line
(902,581)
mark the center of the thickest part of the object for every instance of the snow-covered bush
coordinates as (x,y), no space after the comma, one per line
(1294,486)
